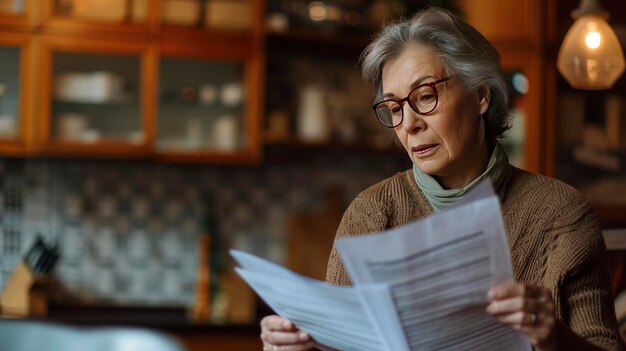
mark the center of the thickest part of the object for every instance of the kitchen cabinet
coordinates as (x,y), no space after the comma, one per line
(306,108)
(210,90)
(16,85)
(95,97)
(298,47)
(205,110)
(110,78)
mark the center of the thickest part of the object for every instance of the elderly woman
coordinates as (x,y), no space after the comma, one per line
(440,87)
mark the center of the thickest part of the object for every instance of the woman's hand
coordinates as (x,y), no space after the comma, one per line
(529,309)
(279,334)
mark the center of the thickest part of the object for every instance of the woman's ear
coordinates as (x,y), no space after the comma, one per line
(484,96)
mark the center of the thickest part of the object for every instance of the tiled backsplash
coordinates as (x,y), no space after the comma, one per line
(128,230)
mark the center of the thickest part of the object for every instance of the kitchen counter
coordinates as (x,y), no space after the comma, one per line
(170,320)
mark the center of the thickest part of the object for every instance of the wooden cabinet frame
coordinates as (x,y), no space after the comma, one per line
(147,56)
(46,33)
(253,65)
(23,22)
(61,25)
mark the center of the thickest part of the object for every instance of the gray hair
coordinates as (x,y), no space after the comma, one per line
(464,52)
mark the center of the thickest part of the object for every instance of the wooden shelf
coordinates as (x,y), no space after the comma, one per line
(173,318)
(173,321)
(248,156)
(79,27)
(20,22)
(113,102)
(183,41)
(321,35)
(149,41)
(313,39)
(101,149)
(295,142)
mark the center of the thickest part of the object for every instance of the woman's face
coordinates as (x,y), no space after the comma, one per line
(449,142)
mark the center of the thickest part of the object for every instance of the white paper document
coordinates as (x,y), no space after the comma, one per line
(421,286)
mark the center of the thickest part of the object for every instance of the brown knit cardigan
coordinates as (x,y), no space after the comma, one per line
(552,232)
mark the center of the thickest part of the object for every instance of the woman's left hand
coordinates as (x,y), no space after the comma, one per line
(527,308)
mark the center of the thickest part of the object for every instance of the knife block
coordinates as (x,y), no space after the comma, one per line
(25,294)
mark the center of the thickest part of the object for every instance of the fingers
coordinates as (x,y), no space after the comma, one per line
(285,338)
(513,304)
(527,308)
(529,301)
(299,347)
(514,289)
(516,297)
(519,319)
(279,334)
(275,322)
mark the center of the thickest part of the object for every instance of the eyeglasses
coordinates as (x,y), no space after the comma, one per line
(422,99)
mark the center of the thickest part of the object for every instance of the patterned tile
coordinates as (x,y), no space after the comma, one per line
(128,231)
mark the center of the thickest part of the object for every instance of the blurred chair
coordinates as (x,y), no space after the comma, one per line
(20,335)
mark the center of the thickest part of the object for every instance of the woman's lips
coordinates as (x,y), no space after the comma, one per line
(424,150)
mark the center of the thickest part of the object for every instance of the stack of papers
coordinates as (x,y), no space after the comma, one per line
(421,286)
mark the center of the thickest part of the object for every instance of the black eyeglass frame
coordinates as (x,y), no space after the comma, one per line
(433,85)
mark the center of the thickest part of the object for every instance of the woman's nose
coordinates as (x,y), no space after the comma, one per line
(411,121)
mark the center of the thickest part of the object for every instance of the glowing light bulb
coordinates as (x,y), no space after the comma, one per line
(593,39)
(317,11)
(591,56)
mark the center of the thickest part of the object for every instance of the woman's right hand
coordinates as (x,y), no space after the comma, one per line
(279,334)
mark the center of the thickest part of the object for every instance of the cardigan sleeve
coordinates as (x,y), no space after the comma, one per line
(364,215)
(583,288)
(588,304)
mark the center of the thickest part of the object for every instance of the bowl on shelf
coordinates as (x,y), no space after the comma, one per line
(94,87)
(70,126)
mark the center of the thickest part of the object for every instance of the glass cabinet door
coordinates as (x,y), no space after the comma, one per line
(9,92)
(16,94)
(202,106)
(228,14)
(18,14)
(109,11)
(96,98)
(182,12)
(212,14)
(12,7)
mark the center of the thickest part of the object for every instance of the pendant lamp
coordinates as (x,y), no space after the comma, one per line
(590,57)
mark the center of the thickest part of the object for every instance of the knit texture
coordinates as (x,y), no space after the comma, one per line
(552,233)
